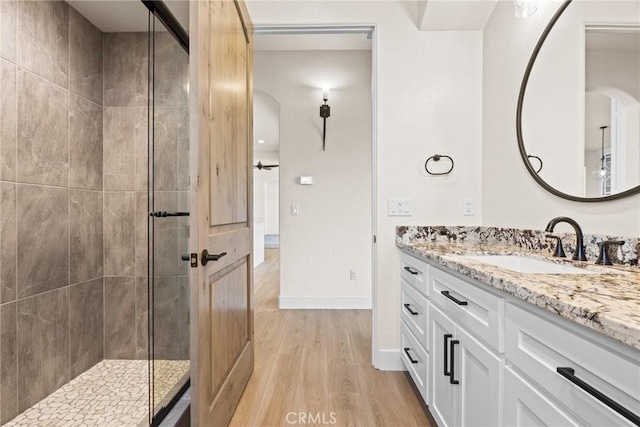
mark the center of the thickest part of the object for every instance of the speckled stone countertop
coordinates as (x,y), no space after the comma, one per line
(608,303)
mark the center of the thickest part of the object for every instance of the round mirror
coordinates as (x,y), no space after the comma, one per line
(578,117)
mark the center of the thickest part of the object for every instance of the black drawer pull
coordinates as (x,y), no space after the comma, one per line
(452,298)
(411,270)
(411,359)
(569,374)
(446,358)
(408,307)
(452,362)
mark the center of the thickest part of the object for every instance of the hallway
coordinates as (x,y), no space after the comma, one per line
(313,367)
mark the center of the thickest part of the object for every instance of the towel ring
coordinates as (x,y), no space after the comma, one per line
(530,156)
(436,158)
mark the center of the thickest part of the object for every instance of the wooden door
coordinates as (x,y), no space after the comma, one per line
(222,313)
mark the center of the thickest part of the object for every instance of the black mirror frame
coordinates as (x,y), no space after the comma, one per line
(523,151)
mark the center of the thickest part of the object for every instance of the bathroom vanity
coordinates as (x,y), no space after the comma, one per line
(503,335)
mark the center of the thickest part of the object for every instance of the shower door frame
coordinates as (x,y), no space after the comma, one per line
(158,10)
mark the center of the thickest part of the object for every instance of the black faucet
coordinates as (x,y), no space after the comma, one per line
(578,255)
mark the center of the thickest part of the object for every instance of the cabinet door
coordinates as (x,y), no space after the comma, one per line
(443,394)
(525,406)
(479,373)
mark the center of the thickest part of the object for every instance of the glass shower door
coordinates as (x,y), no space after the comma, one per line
(168,220)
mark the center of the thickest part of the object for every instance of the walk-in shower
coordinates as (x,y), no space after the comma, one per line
(94,176)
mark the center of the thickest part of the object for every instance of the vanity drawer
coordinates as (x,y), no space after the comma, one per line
(415,359)
(478,311)
(537,347)
(414,272)
(524,405)
(414,313)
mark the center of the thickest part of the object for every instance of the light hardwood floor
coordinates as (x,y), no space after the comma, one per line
(313,367)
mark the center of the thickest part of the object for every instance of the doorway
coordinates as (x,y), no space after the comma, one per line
(326,168)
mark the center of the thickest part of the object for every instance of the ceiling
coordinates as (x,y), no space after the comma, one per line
(126,15)
(454,15)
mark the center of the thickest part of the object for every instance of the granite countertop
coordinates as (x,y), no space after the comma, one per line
(608,303)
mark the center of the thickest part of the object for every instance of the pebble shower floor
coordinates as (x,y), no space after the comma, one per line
(114,393)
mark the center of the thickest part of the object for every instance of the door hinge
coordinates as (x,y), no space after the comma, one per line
(374,238)
(194,260)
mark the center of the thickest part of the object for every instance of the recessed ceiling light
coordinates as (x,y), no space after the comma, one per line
(261,141)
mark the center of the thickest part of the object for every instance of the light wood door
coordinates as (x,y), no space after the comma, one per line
(222,340)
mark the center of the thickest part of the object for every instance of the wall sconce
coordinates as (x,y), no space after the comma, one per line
(325,111)
(523,8)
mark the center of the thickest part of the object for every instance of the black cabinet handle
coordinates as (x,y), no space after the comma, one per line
(206,257)
(569,374)
(452,298)
(408,307)
(452,362)
(446,358)
(411,359)
(411,270)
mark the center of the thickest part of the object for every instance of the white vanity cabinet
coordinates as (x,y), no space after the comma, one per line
(415,323)
(466,375)
(482,357)
(594,368)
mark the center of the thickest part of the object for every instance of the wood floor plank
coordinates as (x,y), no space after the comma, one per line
(314,366)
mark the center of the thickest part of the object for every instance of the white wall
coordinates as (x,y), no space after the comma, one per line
(272,207)
(511,198)
(331,235)
(429,100)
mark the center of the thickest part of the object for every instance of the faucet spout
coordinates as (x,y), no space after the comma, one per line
(579,254)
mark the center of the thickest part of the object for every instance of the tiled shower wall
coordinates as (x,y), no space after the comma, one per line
(51,200)
(126,200)
(73,199)
(125,194)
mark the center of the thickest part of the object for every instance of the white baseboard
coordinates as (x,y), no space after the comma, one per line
(389,360)
(319,303)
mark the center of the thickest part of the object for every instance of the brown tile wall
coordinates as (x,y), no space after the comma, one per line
(51,200)
(74,203)
(126,203)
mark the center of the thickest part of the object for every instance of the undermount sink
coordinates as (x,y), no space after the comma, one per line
(524,264)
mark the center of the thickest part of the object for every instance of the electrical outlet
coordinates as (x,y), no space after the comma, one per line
(467,207)
(353,275)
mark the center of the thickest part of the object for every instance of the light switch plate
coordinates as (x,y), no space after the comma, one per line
(295,210)
(399,207)
(468,207)
(306,180)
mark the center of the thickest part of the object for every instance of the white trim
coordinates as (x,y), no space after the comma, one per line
(326,303)
(313,29)
(389,360)
(374,187)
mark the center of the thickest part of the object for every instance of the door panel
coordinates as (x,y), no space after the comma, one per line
(228,112)
(480,379)
(443,395)
(228,305)
(222,325)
